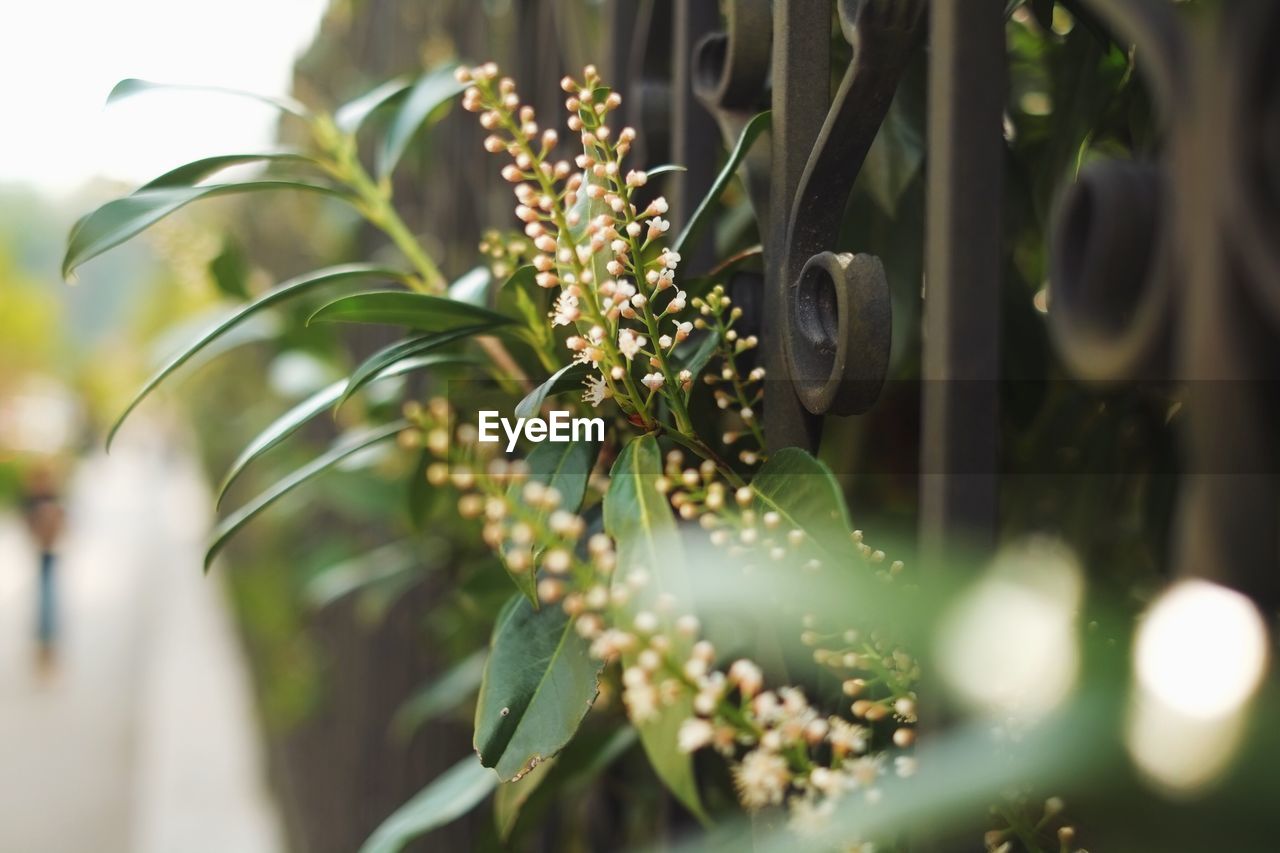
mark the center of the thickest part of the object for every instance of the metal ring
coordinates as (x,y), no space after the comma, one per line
(842,330)
(1108,300)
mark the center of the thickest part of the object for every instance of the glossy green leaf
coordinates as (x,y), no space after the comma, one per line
(701,215)
(350,116)
(346,446)
(418,311)
(371,367)
(444,693)
(432,89)
(131,86)
(539,682)
(639,518)
(290,288)
(292,420)
(116,221)
(806,494)
(189,174)
(566,467)
(472,287)
(567,378)
(449,797)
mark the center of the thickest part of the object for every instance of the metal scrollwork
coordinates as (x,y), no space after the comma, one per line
(1169,269)
(839,320)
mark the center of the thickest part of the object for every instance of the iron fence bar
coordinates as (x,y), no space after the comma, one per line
(963,262)
(801,74)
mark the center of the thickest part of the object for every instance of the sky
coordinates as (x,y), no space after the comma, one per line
(60,58)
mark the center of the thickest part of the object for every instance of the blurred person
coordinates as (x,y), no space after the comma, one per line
(45,517)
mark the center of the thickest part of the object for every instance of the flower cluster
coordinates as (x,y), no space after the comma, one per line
(598,248)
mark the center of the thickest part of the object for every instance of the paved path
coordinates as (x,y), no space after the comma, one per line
(142,739)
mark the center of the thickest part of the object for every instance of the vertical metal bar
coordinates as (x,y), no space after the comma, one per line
(694,138)
(801,96)
(963,262)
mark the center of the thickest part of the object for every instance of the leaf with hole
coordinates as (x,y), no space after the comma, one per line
(539,682)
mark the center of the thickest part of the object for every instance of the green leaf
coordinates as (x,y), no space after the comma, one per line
(539,682)
(449,797)
(371,367)
(196,171)
(639,518)
(418,311)
(696,359)
(444,693)
(131,86)
(340,580)
(346,446)
(567,378)
(289,423)
(807,496)
(432,89)
(520,296)
(664,169)
(292,287)
(350,116)
(511,797)
(230,270)
(566,467)
(118,220)
(893,159)
(750,132)
(472,287)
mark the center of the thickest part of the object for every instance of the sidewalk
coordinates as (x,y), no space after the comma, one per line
(142,740)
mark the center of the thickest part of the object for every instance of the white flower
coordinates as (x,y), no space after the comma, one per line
(642,701)
(657,227)
(566,310)
(669,259)
(597,391)
(694,735)
(683,330)
(677,303)
(629,343)
(652,381)
(686,380)
(762,779)
(747,676)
